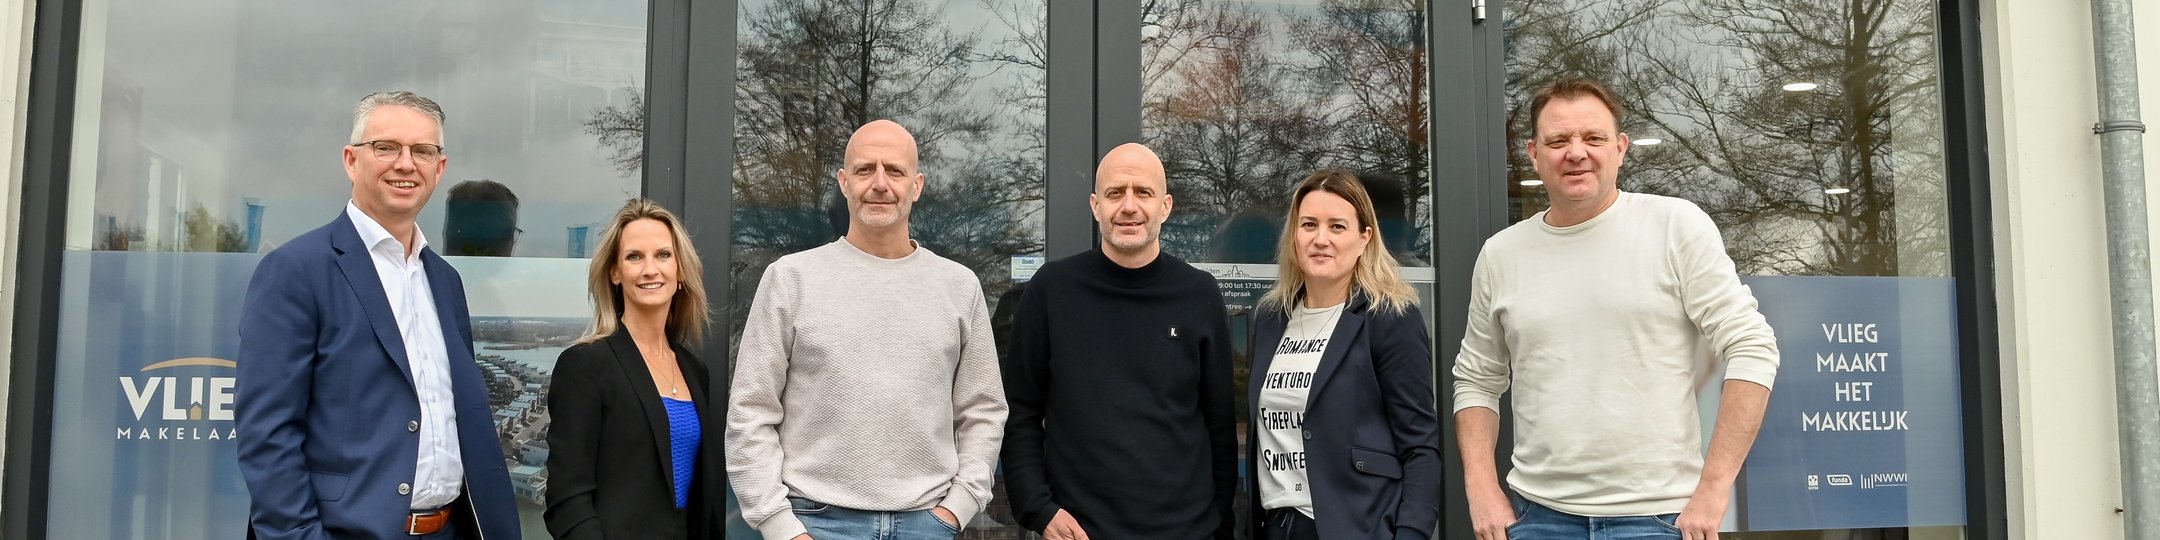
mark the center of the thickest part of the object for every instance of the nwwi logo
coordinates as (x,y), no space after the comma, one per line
(173,407)
(1883,480)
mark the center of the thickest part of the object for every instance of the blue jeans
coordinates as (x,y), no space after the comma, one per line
(1534,521)
(828,522)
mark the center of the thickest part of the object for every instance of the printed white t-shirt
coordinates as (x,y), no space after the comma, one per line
(1281,420)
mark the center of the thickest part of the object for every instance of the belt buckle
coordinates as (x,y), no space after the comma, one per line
(412,522)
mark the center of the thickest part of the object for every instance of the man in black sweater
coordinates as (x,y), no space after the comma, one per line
(1119,382)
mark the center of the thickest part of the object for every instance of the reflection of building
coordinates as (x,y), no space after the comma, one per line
(533,452)
(580,235)
(515,357)
(588,55)
(255,211)
(530,482)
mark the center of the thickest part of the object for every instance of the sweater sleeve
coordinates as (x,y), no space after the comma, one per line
(1482,367)
(1722,308)
(755,459)
(1027,383)
(978,402)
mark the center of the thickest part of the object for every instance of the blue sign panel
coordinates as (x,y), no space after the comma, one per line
(1863,428)
(143,409)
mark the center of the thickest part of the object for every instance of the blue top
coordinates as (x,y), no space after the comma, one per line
(683,436)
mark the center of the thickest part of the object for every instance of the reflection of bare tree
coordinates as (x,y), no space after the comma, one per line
(621,129)
(1230,135)
(1548,39)
(1243,102)
(1372,57)
(1026,52)
(1841,180)
(810,72)
(1171,30)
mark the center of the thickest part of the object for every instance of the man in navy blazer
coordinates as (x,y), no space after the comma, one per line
(361,412)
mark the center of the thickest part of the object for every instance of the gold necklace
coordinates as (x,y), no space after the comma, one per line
(674,383)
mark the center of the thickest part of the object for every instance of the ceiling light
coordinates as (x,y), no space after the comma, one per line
(1800,87)
(1532,183)
(1651,141)
(1836,191)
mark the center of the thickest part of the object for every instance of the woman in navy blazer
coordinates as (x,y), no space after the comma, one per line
(1345,439)
(629,452)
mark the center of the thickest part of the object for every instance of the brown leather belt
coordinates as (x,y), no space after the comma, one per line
(421,523)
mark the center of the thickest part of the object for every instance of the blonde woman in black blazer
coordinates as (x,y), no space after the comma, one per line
(630,447)
(1345,437)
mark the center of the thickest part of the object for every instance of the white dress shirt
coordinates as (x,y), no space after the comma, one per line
(440,473)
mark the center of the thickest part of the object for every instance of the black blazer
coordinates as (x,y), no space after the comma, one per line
(1372,427)
(609,461)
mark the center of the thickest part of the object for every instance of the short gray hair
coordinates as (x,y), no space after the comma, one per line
(367,106)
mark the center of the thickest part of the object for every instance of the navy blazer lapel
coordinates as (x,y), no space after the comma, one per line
(642,389)
(1269,336)
(1338,345)
(455,342)
(358,266)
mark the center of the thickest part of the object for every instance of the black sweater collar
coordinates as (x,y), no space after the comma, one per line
(1132,278)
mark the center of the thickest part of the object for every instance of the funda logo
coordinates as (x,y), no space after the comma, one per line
(170,406)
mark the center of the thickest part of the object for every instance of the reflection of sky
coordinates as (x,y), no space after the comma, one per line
(1690,50)
(524,287)
(1675,36)
(971,18)
(251,99)
(1277,41)
(1203,231)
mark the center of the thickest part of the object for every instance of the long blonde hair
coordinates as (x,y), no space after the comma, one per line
(688,314)
(1375,276)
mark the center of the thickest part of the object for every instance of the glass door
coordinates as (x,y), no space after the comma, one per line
(1811,133)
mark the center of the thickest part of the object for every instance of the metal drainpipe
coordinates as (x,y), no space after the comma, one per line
(2137,384)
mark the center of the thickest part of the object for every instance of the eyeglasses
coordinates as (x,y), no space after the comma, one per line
(387,151)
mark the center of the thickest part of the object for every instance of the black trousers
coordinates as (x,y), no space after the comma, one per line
(1288,524)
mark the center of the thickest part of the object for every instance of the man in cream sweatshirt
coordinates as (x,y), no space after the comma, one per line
(1595,313)
(866,400)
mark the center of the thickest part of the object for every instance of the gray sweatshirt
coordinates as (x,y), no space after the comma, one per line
(864,383)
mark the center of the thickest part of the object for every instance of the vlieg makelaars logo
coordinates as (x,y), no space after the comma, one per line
(180,400)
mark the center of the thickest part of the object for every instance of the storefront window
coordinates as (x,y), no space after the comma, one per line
(1242,100)
(209,133)
(1811,134)
(966,77)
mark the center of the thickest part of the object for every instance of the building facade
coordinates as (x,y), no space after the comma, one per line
(1913,188)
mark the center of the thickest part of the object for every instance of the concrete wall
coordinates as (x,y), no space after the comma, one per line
(2065,477)
(16,24)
